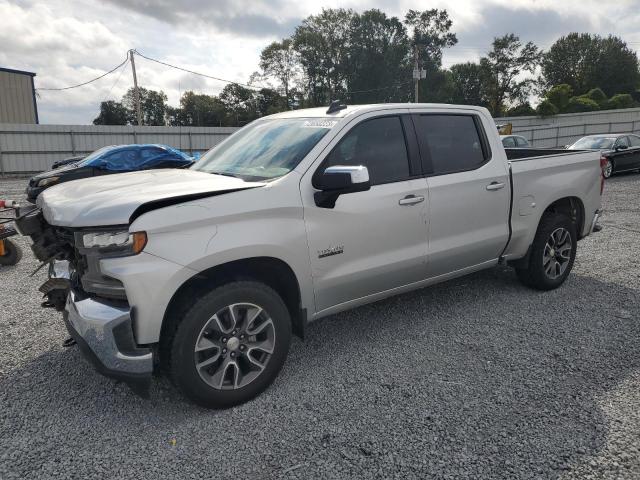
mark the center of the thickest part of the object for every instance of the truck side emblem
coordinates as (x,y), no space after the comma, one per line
(327,252)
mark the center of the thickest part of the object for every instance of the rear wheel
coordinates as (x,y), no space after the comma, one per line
(231,344)
(607,169)
(12,253)
(552,253)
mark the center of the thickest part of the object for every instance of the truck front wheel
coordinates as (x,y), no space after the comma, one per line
(230,345)
(552,253)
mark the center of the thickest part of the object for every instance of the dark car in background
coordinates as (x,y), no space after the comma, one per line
(621,151)
(514,141)
(109,160)
(67,161)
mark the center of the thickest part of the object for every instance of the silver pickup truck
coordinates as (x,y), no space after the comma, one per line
(206,273)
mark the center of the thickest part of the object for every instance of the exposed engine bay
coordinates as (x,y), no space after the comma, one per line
(70,264)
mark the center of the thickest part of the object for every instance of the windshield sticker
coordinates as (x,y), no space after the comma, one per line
(319,123)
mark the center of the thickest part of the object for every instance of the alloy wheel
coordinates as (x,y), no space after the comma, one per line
(235,346)
(557,253)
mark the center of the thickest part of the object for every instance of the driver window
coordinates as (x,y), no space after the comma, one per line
(379,145)
(622,142)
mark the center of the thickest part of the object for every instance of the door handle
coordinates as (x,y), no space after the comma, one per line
(495,186)
(411,200)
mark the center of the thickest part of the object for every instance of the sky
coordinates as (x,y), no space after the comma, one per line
(66,42)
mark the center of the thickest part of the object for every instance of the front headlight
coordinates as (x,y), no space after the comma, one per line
(48,181)
(123,241)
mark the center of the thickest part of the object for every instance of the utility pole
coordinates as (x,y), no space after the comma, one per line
(418,72)
(136,92)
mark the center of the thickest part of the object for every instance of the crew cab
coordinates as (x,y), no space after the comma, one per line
(205,273)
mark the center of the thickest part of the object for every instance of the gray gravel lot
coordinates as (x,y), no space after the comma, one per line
(478,377)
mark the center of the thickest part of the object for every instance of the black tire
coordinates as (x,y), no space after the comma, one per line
(12,253)
(534,275)
(608,168)
(182,357)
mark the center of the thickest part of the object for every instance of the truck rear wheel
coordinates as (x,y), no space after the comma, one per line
(552,253)
(230,345)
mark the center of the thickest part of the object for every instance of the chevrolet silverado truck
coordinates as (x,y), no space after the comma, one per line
(206,273)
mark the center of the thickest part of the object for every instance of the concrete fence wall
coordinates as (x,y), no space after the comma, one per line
(567,128)
(33,148)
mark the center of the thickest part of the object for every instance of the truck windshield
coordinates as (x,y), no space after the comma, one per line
(593,143)
(265,149)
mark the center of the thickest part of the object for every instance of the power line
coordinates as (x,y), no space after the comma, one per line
(198,73)
(87,82)
(117,80)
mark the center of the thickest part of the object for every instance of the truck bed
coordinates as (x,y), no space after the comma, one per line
(515,154)
(539,177)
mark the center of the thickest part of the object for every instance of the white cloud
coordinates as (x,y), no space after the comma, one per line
(69,41)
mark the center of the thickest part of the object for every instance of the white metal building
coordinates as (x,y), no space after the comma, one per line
(17,97)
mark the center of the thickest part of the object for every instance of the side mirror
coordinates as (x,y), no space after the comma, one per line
(339,180)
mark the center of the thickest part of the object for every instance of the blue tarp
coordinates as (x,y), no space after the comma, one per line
(135,157)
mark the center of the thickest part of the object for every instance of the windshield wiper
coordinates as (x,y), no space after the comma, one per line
(227,174)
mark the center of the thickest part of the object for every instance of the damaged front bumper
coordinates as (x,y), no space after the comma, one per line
(104,333)
(103,330)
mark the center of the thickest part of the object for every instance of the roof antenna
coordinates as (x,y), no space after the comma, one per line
(336,106)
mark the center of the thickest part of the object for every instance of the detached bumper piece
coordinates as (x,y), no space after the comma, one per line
(104,334)
(594,223)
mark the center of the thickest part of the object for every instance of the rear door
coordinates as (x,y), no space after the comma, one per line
(469,191)
(372,241)
(623,158)
(634,145)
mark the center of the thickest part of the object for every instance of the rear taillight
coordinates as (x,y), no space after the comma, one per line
(603,164)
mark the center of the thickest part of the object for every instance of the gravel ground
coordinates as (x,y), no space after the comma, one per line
(478,377)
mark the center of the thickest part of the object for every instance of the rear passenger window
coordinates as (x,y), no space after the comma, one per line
(451,142)
(635,141)
(508,142)
(379,145)
(522,142)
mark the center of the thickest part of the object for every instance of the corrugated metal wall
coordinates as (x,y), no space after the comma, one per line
(567,128)
(33,148)
(17,104)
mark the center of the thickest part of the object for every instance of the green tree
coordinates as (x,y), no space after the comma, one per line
(280,61)
(521,110)
(621,100)
(430,35)
(547,108)
(559,95)
(504,64)
(378,59)
(581,104)
(112,113)
(269,101)
(468,84)
(323,42)
(198,110)
(239,103)
(586,61)
(597,95)
(153,106)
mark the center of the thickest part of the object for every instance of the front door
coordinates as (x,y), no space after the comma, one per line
(371,241)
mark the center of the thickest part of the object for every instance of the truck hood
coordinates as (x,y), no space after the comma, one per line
(115,199)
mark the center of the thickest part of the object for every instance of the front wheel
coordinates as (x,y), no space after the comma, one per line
(231,344)
(552,253)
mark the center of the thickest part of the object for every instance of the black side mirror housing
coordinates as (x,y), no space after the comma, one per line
(339,180)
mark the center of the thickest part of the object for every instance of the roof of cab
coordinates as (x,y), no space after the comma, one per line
(321,112)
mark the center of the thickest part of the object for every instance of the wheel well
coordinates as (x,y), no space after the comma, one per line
(573,208)
(270,271)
